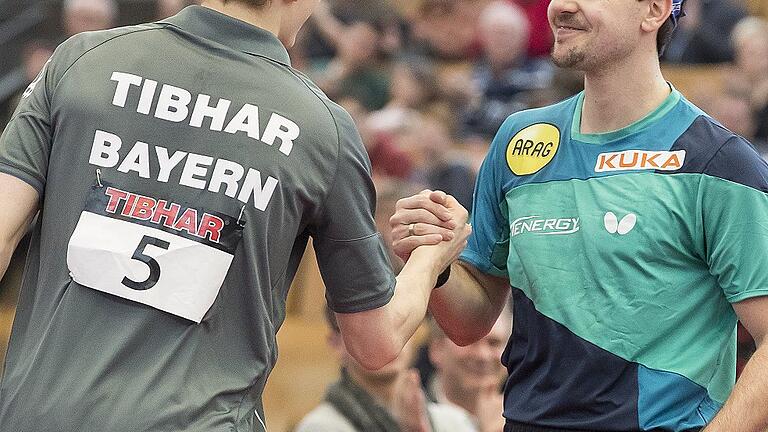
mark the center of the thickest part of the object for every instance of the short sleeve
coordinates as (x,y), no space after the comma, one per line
(734,212)
(350,251)
(26,142)
(488,246)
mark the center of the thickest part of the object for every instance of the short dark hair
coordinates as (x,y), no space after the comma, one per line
(255,3)
(667,30)
(665,35)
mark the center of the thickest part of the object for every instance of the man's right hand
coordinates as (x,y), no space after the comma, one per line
(427,219)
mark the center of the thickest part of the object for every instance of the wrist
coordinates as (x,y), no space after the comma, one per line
(442,279)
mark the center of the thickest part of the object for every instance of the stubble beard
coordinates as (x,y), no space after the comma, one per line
(572,58)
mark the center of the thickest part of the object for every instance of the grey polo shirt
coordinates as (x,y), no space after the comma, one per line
(182,167)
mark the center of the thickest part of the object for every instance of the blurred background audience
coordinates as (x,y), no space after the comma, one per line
(470,377)
(428,82)
(390,399)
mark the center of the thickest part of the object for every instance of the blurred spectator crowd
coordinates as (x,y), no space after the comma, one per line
(428,83)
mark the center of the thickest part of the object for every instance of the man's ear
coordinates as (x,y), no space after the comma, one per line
(656,15)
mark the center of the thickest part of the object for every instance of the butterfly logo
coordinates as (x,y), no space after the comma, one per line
(623,227)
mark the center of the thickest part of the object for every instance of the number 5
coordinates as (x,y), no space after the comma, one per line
(154,267)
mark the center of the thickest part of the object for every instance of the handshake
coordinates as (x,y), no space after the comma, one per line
(432,225)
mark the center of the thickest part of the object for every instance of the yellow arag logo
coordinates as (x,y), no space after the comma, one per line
(533,148)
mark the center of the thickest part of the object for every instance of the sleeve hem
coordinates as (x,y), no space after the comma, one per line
(482,264)
(24,176)
(371,303)
(747,295)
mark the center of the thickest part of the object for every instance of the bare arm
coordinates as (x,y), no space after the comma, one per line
(18,204)
(468,305)
(377,336)
(745,410)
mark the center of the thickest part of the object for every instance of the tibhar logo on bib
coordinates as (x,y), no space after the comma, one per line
(533,148)
(631,160)
(544,226)
(152,251)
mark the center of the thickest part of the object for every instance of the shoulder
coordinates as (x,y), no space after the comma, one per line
(558,115)
(713,150)
(343,123)
(449,418)
(80,45)
(534,126)
(324,418)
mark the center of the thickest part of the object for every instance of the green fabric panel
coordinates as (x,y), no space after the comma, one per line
(646,294)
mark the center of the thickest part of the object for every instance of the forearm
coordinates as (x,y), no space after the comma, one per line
(409,304)
(745,410)
(376,337)
(466,309)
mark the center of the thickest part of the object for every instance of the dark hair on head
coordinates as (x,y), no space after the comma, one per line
(665,35)
(667,30)
(255,3)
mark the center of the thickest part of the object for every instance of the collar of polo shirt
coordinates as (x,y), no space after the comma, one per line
(231,32)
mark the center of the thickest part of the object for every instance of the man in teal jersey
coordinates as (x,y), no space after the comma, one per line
(179,169)
(632,229)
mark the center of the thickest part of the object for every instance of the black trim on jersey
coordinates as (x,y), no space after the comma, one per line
(714,150)
(567,382)
(521,427)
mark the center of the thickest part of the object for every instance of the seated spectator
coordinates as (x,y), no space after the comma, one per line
(34,56)
(387,159)
(505,75)
(88,15)
(413,89)
(734,111)
(704,35)
(356,70)
(471,377)
(750,40)
(321,33)
(436,162)
(447,28)
(387,400)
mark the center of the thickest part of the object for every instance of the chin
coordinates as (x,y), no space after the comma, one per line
(568,58)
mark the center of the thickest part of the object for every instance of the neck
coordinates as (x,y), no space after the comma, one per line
(267,18)
(455,395)
(618,95)
(382,389)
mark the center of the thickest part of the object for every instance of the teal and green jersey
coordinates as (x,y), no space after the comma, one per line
(625,251)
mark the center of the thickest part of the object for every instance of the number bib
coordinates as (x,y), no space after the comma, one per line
(152,251)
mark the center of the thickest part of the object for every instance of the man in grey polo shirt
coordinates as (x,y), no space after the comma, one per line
(179,169)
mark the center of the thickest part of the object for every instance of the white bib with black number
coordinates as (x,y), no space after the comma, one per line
(152,251)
